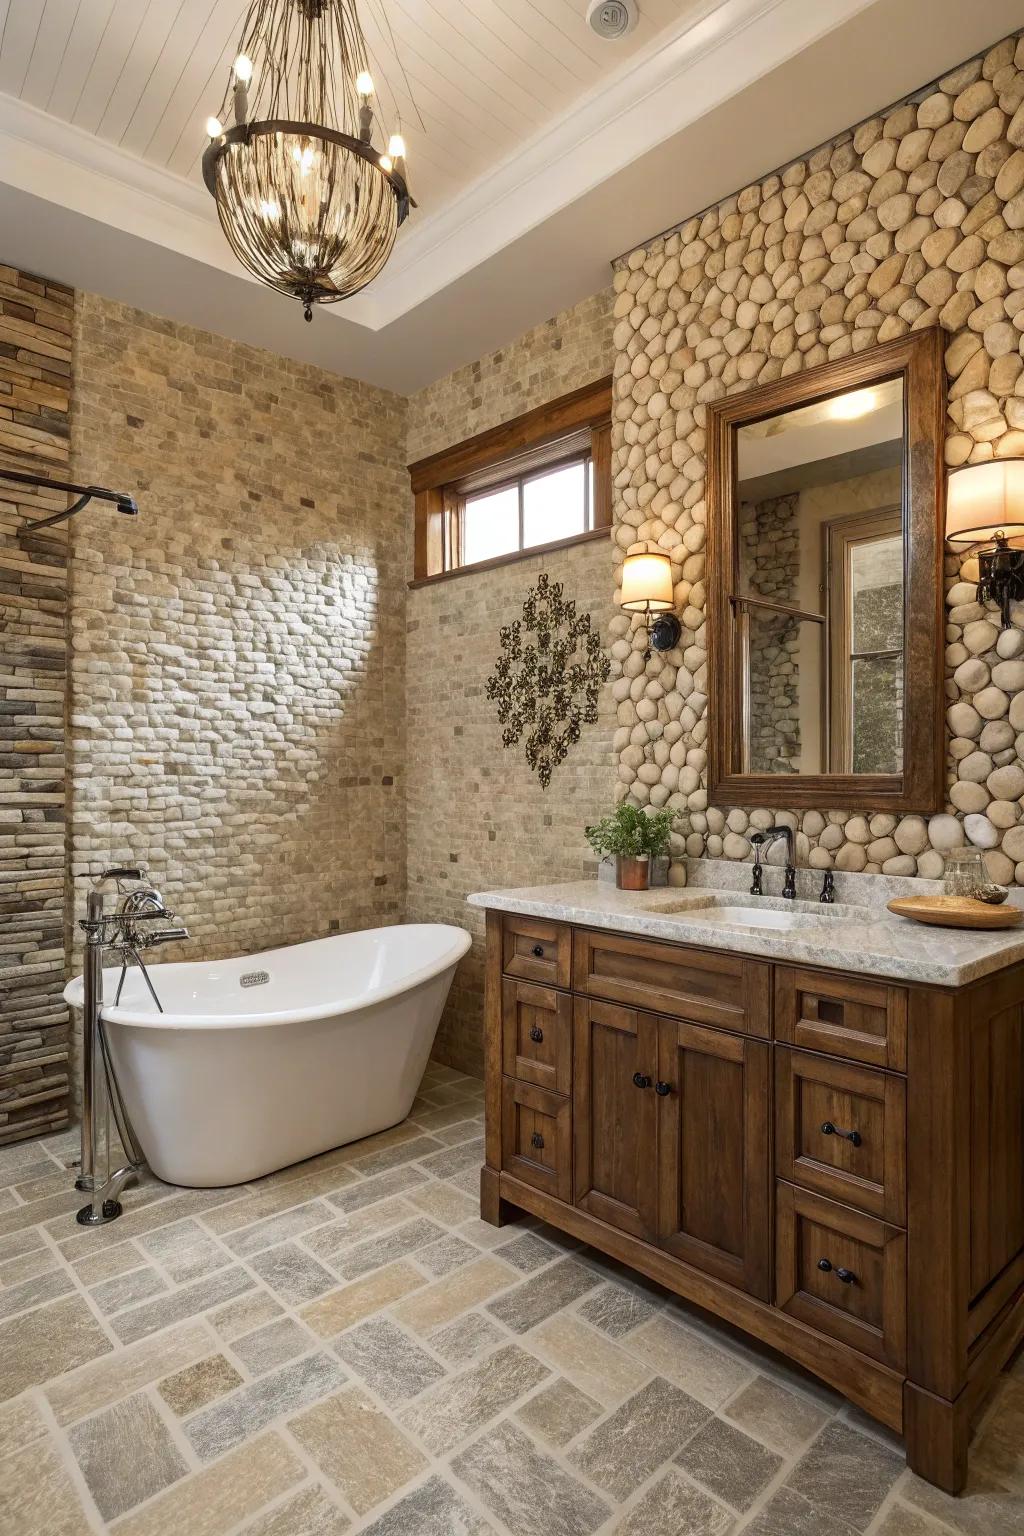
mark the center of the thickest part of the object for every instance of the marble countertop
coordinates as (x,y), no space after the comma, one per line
(862,938)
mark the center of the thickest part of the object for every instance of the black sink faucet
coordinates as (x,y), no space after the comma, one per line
(762,840)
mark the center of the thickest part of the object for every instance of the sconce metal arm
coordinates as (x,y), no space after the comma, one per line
(84,493)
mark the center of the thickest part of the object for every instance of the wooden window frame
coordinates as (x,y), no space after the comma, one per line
(435,480)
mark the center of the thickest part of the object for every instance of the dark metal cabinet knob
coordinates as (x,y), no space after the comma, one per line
(536,1140)
(641,1080)
(536,1034)
(538,951)
(853,1137)
(663,1089)
(847,1276)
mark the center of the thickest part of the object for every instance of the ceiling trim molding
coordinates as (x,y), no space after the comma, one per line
(718,51)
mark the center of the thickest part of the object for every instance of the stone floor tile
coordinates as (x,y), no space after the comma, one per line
(17,1217)
(197,1385)
(216,1500)
(273,1345)
(20,1424)
(734,1467)
(482,1233)
(647,1430)
(846,1475)
(596,1365)
(185,1251)
(616,1310)
(137,1219)
(527,1489)
(394,1245)
(393,1157)
(126,1455)
(463,1130)
(445,1204)
(34,1292)
(20,1155)
(435,1509)
(275,1197)
(674,1507)
(468,1180)
(137,1322)
(30,1240)
(111,1261)
(526,1252)
(978,1511)
(455,1159)
(278,1229)
(466,1338)
(435,1117)
(787,1514)
(48,1342)
(533,1300)
(559,1412)
(38,1497)
(997,1455)
(46,1180)
(310,1512)
(356,1226)
(458,1407)
(781,1419)
(391,1364)
(245,1314)
(227,1424)
(340,1309)
(358,1448)
(445,1299)
(119,1374)
(689,1359)
(40,1261)
(7,1200)
(293,1274)
(381,1187)
(448,1253)
(901,1520)
(127,1290)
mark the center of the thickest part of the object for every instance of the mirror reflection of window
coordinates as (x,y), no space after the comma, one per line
(819,599)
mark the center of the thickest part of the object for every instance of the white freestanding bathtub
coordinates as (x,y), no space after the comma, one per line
(260,1062)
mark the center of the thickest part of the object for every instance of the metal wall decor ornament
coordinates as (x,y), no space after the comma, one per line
(547,689)
(309,205)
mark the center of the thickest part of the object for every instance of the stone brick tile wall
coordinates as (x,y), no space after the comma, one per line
(914,218)
(238,649)
(35,379)
(477,816)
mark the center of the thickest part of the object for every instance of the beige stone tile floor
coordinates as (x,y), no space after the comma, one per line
(345,1347)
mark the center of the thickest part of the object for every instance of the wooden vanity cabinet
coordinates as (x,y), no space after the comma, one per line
(833,1163)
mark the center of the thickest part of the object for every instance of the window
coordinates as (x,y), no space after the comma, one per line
(543,480)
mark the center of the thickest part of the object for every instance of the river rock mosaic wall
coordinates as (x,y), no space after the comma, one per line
(915,218)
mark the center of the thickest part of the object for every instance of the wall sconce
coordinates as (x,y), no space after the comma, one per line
(985,511)
(647,588)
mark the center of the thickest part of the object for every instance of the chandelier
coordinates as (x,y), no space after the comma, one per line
(308,204)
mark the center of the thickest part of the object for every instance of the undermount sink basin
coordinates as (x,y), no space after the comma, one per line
(760,917)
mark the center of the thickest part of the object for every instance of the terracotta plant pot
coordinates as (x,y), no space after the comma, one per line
(632,874)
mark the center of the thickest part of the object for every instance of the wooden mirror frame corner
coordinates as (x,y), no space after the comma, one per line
(918,359)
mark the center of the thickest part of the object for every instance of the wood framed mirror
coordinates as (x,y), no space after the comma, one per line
(824,571)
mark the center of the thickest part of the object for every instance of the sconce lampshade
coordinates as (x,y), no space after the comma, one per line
(983,500)
(647,580)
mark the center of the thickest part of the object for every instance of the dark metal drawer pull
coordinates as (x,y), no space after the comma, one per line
(641,1080)
(663,1089)
(536,1140)
(853,1137)
(538,950)
(847,1276)
(537,1034)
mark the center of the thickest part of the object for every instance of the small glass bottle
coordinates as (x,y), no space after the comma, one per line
(964,872)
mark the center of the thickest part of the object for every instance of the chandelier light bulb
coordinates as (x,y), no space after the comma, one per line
(213,127)
(364,83)
(270,208)
(243,68)
(386,163)
(396,147)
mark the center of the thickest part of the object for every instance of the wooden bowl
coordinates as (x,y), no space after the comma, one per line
(955,912)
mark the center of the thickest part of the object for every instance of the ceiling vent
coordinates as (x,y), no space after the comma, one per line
(612,19)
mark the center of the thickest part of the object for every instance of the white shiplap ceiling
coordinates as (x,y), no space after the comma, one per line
(470,80)
(537,152)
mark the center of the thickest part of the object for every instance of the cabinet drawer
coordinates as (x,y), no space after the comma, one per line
(536,1035)
(841,1272)
(702,986)
(536,950)
(536,1136)
(841,1130)
(842,1015)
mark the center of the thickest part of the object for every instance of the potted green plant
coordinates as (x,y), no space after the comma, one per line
(634,836)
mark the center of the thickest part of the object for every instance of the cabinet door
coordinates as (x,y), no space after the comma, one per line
(615,1115)
(713,1162)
